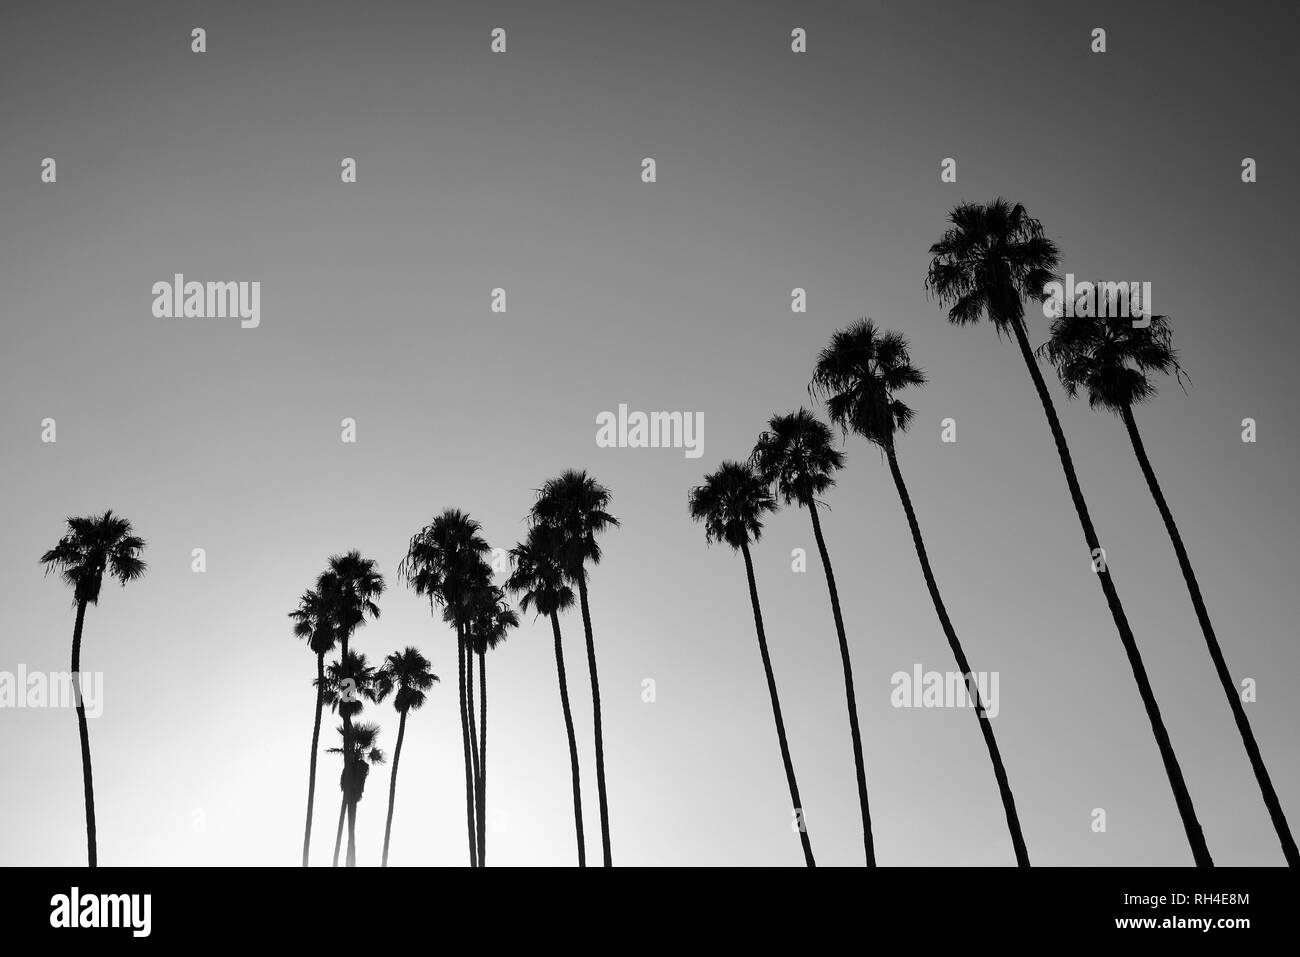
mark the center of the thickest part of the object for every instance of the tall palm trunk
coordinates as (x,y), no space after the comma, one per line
(338,835)
(464,734)
(1216,653)
(473,722)
(867,840)
(573,741)
(481,793)
(776,711)
(349,769)
(315,744)
(1200,852)
(595,711)
(392,785)
(986,726)
(87,778)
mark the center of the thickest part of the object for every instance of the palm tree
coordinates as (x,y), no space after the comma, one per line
(352,781)
(444,561)
(410,674)
(731,503)
(859,375)
(990,259)
(346,688)
(350,584)
(490,621)
(1111,359)
(577,506)
(311,620)
(797,457)
(538,577)
(91,546)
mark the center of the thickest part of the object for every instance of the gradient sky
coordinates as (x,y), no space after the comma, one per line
(775,170)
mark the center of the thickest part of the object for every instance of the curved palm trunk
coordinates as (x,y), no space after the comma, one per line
(776,711)
(868,842)
(315,745)
(392,786)
(595,711)
(464,734)
(349,769)
(87,778)
(1216,653)
(963,665)
(573,742)
(1183,799)
(481,792)
(338,835)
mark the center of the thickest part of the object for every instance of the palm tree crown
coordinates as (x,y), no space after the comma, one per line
(858,375)
(94,545)
(577,506)
(990,259)
(366,685)
(797,456)
(313,620)
(408,673)
(731,503)
(537,574)
(1109,358)
(444,560)
(350,584)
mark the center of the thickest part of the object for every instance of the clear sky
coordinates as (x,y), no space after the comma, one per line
(522,171)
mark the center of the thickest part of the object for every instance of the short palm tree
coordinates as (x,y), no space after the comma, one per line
(410,675)
(1111,359)
(577,506)
(444,562)
(798,458)
(859,375)
(491,619)
(731,503)
(346,689)
(352,781)
(989,261)
(312,620)
(92,546)
(538,577)
(350,584)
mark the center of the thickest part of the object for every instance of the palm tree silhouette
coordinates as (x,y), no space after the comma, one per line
(989,260)
(345,688)
(1111,358)
(798,458)
(91,546)
(350,584)
(577,506)
(859,375)
(444,561)
(731,503)
(490,619)
(410,674)
(538,576)
(312,620)
(352,781)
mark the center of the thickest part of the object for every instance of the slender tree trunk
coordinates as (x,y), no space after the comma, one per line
(392,785)
(87,778)
(595,712)
(1216,653)
(315,745)
(800,819)
(473,722)
(868,842)
(1183,799)
(481,793)
(464,734)
(573,741)
(349,764)
(338,835)
(963,665)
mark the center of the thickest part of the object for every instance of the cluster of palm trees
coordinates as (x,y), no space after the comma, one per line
(991,260)
(447,562)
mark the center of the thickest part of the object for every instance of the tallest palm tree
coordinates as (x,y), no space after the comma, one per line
(989,261)
(1111,359)
(577,507)
(92,546)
